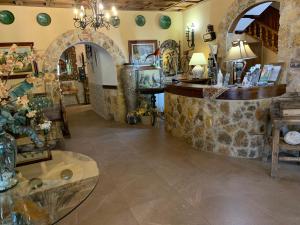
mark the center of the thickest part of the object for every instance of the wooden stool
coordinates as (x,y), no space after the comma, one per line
(279,144)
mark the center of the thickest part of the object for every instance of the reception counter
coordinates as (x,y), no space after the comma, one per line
(228,121)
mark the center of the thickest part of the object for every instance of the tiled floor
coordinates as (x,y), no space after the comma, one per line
(151,178)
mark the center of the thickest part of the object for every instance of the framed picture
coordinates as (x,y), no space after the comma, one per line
(26,158)
(24,49)
(255,74)
(276,72)
(139,50)
(266,73)
(148,77)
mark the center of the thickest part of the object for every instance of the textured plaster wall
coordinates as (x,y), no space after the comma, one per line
(25,27)
(202,14)
(60,34)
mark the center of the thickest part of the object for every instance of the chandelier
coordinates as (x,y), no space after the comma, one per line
(98,18)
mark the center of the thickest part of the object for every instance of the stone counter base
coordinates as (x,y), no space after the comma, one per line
(232,128)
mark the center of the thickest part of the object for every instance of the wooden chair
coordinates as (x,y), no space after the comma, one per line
(69,88)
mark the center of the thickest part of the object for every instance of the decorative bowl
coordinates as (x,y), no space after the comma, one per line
(165,22)
(43,19)
(140,20)
(6,17)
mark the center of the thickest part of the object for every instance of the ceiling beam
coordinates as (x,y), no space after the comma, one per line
(18,2)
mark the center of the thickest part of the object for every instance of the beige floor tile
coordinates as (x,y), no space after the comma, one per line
(149,177)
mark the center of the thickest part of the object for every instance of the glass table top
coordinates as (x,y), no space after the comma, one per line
(49,190)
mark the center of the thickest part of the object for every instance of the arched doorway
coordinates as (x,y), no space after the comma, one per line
(289,36)
(114,98)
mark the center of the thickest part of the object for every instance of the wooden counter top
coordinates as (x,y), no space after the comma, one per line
(234,93)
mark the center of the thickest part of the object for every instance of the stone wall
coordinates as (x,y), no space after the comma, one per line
(232,128)
(289,36)
(107,103)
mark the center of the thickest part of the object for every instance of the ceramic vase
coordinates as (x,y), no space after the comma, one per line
(8,153)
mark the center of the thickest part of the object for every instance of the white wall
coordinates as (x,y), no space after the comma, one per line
(100,68)
(108,72)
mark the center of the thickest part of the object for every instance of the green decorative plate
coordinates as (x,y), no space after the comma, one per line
(140,20)
(115,21)
(165,22)
(43,19)
(6,17)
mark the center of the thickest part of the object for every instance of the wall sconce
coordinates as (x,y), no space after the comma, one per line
(190,36)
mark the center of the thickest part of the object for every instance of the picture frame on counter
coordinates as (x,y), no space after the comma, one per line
(271,73)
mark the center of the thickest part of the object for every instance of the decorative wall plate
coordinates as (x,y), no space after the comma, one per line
(115,21)
(165,22)
(140,20)
(6,17)
(43,19)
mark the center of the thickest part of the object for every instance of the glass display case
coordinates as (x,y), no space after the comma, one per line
(149,78)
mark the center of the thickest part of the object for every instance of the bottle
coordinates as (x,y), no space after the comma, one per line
(220,79)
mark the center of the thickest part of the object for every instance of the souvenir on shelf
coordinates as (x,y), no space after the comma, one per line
(266,73)
(276,69)
(247,80)
(255,74)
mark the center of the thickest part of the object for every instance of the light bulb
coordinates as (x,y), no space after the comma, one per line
(193,26)
(82,8)
(114,11)
(101,7)
(81,15)
(76,12)
(107,15)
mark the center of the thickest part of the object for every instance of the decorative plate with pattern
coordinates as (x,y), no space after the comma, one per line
(43,19)
(6,17)
(165,22)
(140,20)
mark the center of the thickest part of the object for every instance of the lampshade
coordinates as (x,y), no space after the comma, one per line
(240,51)
(198,59)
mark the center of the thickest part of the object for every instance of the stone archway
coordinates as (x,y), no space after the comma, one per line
(73,37)
(289,36)
(113,102)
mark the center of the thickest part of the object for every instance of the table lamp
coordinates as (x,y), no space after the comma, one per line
(238,54)
(199,61)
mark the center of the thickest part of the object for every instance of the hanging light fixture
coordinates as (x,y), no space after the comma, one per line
(99,17)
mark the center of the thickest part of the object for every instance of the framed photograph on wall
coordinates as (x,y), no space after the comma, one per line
(23,52)
(140,52)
